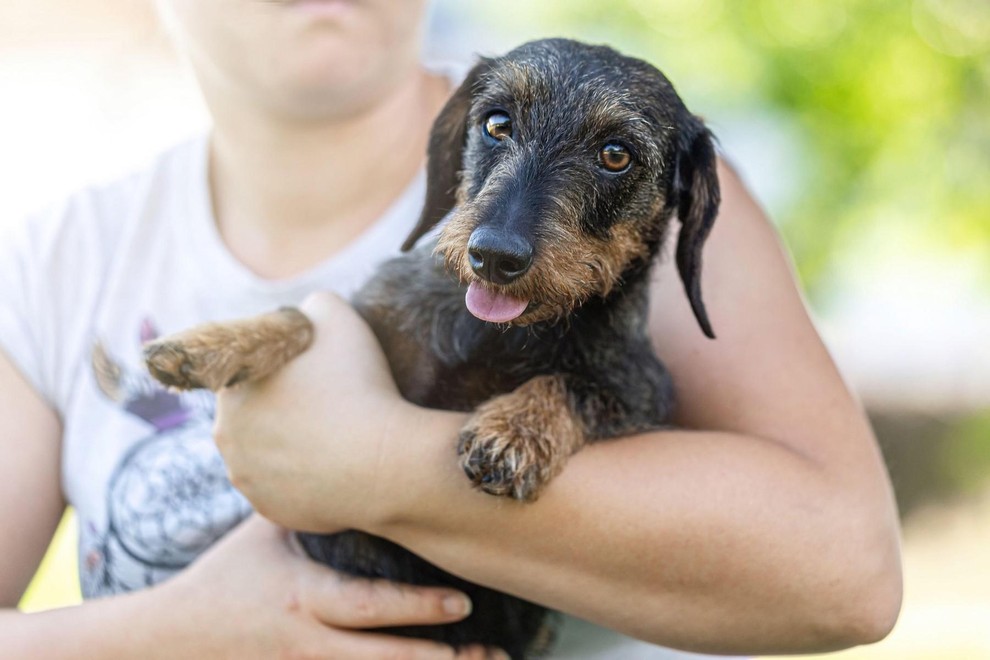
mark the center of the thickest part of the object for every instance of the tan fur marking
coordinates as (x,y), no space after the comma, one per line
(452,244)
(571,267)
(516,443)
(107,373)
(215,355)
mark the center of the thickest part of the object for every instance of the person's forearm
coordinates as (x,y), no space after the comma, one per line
(137,625)
(723,542)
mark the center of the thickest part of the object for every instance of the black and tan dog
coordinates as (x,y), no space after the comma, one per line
(558,168)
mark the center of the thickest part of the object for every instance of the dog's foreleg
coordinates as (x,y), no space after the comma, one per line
(217,355)
(515,443)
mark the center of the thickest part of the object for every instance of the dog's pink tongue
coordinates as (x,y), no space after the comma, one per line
(493,307)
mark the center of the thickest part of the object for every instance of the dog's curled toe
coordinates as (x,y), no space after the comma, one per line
(177,365)
(499,466)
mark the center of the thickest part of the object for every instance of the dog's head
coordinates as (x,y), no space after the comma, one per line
(560,165)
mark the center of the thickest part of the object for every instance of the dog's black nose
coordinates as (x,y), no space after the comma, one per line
(499,256)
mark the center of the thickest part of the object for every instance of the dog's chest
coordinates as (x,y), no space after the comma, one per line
(460,372)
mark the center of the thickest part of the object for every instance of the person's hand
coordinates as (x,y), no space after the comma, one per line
(317,446)
(254,595)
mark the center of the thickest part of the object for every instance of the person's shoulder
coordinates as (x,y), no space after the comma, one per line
(453,70)
(162,179)
(97,214)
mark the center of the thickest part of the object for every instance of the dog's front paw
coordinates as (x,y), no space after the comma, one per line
(217,355)
(499,465)
(189,362)
(516,443)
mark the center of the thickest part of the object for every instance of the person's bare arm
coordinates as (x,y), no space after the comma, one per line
(770,530)
(30,493)
(250,596)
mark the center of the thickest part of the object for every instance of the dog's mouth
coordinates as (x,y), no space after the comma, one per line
(493,306)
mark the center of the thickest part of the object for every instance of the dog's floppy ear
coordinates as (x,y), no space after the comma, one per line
(444,155)
(696,183)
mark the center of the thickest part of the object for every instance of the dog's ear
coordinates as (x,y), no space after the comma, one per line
(444,156)
(696,184)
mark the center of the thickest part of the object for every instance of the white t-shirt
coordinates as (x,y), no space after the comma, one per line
(83,286)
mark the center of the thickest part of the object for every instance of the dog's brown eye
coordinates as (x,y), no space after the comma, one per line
(614,157)
(498,126)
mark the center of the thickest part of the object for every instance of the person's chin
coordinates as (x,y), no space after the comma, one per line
(333,69)
(322,11)
(322,92)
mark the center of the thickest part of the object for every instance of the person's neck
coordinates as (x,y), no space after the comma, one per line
(289,193)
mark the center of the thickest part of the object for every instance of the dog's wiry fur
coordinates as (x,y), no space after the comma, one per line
(529,432)
(217,355)
(577,365)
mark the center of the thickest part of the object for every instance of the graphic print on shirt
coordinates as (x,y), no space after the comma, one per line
(168,498)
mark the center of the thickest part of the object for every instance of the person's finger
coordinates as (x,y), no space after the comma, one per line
(321,306)
(476,652)
(264,528)
(479,652)
(348,602)
(373,646)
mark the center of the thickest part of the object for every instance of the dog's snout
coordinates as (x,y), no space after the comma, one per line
(499,256)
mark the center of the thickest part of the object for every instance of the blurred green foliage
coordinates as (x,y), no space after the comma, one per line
(934,459)
(888,101)
(967,456)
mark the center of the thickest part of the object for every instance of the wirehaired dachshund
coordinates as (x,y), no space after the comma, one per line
(556,169)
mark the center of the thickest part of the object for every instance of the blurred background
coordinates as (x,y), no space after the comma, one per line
(863,126)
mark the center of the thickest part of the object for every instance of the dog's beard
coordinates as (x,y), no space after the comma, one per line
(569,269)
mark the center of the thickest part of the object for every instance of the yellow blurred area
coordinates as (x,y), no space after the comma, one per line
(56,583)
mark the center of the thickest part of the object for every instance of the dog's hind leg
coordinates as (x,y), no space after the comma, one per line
(217,355)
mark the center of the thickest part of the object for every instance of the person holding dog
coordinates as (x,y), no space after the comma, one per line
(765,525)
